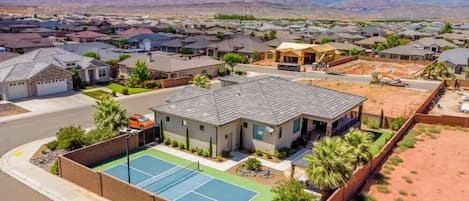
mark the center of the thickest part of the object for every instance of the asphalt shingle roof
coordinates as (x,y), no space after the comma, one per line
(165,63)
(270,100)
(458,56)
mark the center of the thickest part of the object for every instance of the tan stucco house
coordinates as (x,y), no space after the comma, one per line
(269,112)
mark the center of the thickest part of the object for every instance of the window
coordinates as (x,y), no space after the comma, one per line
(245,124)
(296,125)
(102,72)
(202,127)
(167,119)
(270,56)
(184,122)
(258,132)
(280,133)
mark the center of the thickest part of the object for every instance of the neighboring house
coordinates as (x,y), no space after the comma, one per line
(104,50)
(372,31)
(173,46)
(43,32)
(412,34)
(270,113)
(134,31)
(407,52)
(22,77)
(369,43)
(23,42)
(150,41)
(241,44)
(345,48)
(301,54)
(434,45)
(216,31)
(190,45)
(456,38)
(90,69)
(456,59)
(350,38)
(87,36)
(165,66)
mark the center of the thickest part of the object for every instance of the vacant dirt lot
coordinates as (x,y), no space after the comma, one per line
(436,169)
(394,69)
(8,109)
(394,101)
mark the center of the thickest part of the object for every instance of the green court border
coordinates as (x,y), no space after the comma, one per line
(263,190)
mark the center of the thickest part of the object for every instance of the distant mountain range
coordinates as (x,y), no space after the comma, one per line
(429,9)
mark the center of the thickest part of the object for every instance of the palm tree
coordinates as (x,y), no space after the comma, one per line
(109,113)
(330,165)
(201,81)
(360,142)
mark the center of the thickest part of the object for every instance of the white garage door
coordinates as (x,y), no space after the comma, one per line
(51,87)
(17,90)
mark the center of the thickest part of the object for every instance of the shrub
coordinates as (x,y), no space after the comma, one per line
(397,123)
(200,151)
(382,188)
(151,84)
(99,135)
(252,164)
(240,72)
(407,179)
(113,93)
(395,160)
(268,155)
(282,152)
(167,141)
(125,91)
(205,154)
(52,145)
(70,138)
(54,169)
(408,141)
(192,149)
(365,197)
(434,129)
(174,143)
(373,123)
(259,152)
(182,146)
(225,154)
(219,159)
(402,192)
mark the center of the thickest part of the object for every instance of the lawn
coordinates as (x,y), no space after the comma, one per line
(96,94)
(380,139)
(263,190)
(118,88)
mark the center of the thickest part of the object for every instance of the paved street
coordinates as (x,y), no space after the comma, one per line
(18,132)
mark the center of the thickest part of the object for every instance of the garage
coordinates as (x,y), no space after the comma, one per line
(51,87)
(17,90)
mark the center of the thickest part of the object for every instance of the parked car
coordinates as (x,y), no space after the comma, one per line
(139,121)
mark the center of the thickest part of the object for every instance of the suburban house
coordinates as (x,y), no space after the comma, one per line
(265,114)
(86,36)
(43,32)
(289,55)
(171,67)
(372,31)
(134,31)
(150,41)
(345,48)
(369,43)
(241,44)
(53,66)
(22,77)
(412,34)
(190,45)
(456,59)
(407,52)
(456,38)
(23,42)
(434,45)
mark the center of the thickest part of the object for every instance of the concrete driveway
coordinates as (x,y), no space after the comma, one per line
(55,102)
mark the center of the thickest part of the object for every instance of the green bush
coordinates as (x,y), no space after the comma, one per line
(395,160)
(434,129)
(222,72)
(397,123)
(365,197)
(125,91)
(174,143)
(52,145)
(182,146)
(268,155)
(259,152)
(100,135)
(282,152)
(192,149)
(113,93)
(70,138)
(54,169)
(200,151)
(205,154)
(240,72)
(167,141)
(151,84)
(252,164)
(225,154)
(372,123)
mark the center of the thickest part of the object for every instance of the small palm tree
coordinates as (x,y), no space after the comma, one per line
(109,114)
(361,143)
(466,70)
(201,81)
(291,190)
(330,165)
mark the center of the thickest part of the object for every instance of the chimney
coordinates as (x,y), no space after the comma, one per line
(149,57)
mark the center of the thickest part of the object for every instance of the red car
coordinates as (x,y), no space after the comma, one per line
(139,121)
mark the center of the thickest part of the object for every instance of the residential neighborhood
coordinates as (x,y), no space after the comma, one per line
(122,102)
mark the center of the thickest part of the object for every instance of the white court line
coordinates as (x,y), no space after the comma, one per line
(195,192)
(138,170)
(193,189)
(158,175)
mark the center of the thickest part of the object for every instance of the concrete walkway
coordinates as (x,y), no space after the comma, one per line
(16,164)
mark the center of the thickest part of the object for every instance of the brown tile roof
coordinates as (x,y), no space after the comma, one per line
(23,40)
(135,31)
(86,34)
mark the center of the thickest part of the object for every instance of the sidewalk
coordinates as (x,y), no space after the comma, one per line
(16,164)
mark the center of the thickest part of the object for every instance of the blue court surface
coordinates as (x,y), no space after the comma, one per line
(178,183)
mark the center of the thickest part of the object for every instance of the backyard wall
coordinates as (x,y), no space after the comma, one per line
(166,83)
(368,58)
(74,167)
(342,61)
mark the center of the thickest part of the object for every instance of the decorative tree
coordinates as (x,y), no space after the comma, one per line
(210,147)
(201,81)
(161,131)
(109,114)
(187,138)
(232,59)
(361,143)
(76,79)
(447,28)
(139,74)
(123,57)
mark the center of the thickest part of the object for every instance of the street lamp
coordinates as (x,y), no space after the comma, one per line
(129,133)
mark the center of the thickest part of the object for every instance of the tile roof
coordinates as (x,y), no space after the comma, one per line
(134,31)
(371,40)
(458,56)
(345,46)
(87,34)
(410,50)
(24,40)
(432,41)
(269,100)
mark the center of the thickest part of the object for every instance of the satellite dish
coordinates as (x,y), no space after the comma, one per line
(269,129)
